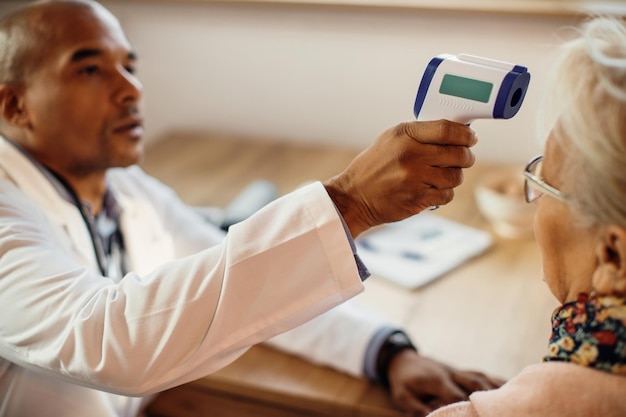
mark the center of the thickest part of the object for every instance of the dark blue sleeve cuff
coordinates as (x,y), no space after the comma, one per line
(364,273)
(373,349)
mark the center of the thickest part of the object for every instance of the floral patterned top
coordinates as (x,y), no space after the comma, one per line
(590,331)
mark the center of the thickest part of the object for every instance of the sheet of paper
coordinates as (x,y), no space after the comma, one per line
(420,249)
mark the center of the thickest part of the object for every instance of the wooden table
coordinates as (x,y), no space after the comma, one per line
(490,314)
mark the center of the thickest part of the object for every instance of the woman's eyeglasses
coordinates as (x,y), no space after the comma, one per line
(534,186)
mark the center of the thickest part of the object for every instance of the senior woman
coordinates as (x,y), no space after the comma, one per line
(579,186)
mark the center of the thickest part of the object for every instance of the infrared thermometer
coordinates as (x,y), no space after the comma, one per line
(463,88)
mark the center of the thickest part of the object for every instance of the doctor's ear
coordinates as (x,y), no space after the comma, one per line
(609,277)
(12,106)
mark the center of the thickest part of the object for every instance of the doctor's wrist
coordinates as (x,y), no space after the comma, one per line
(347,206)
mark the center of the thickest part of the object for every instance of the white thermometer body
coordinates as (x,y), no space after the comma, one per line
(463,88)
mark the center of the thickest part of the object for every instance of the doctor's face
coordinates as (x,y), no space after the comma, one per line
(82,102)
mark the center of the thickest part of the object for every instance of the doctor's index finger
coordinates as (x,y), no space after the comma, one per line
(439,132)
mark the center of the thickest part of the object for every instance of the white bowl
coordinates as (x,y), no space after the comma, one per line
(500,198)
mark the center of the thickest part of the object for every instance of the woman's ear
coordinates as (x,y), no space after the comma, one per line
(609,277)
(12,106)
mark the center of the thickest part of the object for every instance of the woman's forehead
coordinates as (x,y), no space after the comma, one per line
(553,153)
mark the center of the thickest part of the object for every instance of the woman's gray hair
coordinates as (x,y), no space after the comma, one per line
(589,97)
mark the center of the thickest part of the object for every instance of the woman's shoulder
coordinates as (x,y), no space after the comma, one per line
(462,409)
(555,389)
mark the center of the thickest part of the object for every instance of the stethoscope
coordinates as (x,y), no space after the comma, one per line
(88,218)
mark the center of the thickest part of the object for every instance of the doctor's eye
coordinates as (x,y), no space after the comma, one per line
(90,70)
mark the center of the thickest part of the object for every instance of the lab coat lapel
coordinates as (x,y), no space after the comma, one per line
(19,169)
(146,242)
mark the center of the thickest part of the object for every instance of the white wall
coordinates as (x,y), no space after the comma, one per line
(320,74)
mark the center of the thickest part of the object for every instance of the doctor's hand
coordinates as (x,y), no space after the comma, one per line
(419,385)
(409,168)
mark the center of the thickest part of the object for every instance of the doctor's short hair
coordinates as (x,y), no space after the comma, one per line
(14,38)
(588,98)
(22,37)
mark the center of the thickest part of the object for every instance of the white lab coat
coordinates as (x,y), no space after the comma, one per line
(74,343)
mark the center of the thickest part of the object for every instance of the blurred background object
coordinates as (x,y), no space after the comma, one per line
(500,198)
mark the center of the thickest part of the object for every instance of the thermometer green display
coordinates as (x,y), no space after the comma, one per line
(463,88)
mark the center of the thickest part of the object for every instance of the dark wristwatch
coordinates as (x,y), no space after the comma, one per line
(395,343)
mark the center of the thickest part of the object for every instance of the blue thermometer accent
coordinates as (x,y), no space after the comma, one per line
(429,73)
(463,88)
(512,93)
